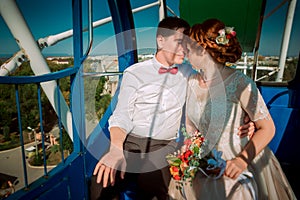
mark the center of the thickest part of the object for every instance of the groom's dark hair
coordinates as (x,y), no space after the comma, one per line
(168,25)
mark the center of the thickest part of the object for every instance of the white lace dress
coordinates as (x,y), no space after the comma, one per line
(218,112)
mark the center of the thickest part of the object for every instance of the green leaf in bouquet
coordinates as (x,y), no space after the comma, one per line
(173,160)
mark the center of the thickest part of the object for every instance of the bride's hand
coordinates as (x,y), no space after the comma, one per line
(235,167)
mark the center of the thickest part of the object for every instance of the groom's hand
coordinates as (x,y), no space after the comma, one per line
(107,167)
(247,129)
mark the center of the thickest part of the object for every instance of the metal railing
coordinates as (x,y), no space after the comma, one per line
(45,77)
(37,80)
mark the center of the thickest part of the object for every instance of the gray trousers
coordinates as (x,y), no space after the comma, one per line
(147,173)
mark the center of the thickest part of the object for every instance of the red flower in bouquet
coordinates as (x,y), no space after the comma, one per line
(175,171)
(186,155)
(190,158)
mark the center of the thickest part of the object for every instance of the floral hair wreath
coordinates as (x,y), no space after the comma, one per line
(225,34)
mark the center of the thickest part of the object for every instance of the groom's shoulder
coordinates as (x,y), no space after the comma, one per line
(139,66)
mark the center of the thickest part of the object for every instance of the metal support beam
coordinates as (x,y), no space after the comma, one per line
(19,29)
(125,34)
(286,39)
(162,9)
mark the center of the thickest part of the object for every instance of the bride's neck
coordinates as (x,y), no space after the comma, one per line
(212,72)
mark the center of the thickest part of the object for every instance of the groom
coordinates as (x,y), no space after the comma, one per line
(144,126)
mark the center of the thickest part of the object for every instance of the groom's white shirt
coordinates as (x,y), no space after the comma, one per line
(150,104)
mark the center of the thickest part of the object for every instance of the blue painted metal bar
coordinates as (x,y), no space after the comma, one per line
(21,136)
(54,186)
(127,55)
(122,18)
(78,59)
(59,123)
(90,30)
(42,128)
(38,79)
(71,174)
(78,55)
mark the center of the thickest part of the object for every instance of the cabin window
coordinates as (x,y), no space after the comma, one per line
(21,59)
(267,68)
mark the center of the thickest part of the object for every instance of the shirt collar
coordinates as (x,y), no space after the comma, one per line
(157,64)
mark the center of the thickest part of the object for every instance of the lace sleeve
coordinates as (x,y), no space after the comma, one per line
(251,99)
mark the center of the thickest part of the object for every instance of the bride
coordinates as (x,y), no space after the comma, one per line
(218,99)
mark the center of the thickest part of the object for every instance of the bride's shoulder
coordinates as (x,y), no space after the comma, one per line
(193,78)
(237,77)
(232,73)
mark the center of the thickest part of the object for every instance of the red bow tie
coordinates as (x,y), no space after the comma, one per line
(172,70)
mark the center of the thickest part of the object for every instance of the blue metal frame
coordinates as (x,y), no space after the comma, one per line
(59,121)
(21,136)
(64,180)
(127,55)
(125,33)
(69,180)
(39,78)
(42,128)
(283,101)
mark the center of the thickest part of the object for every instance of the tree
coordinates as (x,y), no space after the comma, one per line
(6,133)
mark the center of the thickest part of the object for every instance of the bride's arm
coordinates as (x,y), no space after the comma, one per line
(254,105)
(264,134)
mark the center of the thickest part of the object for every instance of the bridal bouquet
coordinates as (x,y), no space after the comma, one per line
(191,158)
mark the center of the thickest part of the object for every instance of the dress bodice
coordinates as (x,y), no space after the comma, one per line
(219,111)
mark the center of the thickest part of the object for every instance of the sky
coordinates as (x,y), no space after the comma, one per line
(46,18)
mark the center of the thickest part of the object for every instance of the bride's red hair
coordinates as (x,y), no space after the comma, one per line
(205,34)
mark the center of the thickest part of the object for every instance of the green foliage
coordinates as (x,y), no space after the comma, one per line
(28,99)
(23,70)
(102,104)
(290,70)
(67,142)
(55,148)
(102,100)
(9,144)
(6,133)
(100,87)
(96,98)
(7,105)
(36,160)
(14,140)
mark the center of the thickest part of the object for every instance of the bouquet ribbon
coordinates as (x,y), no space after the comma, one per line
(218,163)
(215,163)
(245,180)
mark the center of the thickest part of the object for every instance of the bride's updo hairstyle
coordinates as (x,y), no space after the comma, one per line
(219,41)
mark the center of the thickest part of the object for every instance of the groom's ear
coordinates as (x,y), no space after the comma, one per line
(160,41)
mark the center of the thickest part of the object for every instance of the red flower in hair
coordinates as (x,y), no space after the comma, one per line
(229,36)
(225,35)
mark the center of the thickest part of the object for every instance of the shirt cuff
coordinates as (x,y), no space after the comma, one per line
(116,122)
